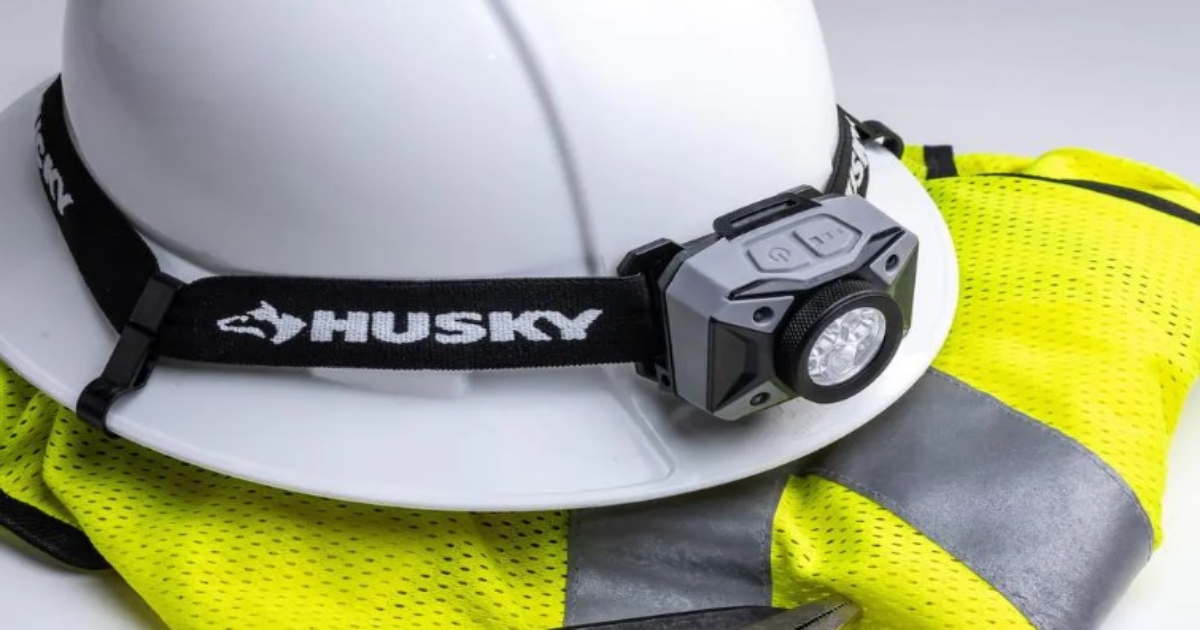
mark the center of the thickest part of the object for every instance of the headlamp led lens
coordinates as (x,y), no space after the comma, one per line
(847,346)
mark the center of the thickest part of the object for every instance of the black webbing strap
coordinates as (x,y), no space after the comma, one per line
(115,262)
(44,532)
(440,325)
(317,322)
(851,174)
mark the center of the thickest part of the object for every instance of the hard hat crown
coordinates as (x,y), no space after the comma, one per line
(457,138)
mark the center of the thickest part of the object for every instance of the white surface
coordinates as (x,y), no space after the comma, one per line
(1120,72)
(511,440)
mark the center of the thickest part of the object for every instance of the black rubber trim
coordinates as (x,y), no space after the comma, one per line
(1154,202)
(939,162)
(50,535)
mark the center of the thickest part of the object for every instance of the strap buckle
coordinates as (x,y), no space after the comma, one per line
(134,357)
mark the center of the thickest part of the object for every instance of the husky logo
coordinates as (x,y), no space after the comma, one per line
(264,322)
(55,187)
(456,328)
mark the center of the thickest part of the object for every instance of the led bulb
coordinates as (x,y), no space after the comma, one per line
(847,346)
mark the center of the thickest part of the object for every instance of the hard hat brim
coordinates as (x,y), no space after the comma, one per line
(532,440)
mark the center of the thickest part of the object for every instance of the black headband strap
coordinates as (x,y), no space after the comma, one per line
(315,322)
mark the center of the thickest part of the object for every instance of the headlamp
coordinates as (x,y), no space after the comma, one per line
(797,296)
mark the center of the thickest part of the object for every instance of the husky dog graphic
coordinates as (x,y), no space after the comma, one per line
(264,322)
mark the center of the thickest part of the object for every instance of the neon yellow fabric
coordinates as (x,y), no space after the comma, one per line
(208,551)
(24,429)
(829,539)
(914,160)
(1078,309)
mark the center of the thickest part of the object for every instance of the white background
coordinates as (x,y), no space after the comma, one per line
(1019,76)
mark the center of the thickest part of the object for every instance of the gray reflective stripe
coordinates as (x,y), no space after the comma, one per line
(706,550)
(1027,508)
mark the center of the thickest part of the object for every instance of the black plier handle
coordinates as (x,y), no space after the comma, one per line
(833,613)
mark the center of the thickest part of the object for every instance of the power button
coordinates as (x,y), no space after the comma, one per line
(781,252)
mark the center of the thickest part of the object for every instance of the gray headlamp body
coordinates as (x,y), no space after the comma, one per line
(727,300)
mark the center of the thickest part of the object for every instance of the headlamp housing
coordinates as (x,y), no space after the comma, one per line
(797,296)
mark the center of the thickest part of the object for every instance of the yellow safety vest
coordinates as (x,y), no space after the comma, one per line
(1017,485)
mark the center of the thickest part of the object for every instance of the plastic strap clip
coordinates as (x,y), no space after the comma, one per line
(133,358)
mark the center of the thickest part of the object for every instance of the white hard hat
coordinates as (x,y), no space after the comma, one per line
(437,140)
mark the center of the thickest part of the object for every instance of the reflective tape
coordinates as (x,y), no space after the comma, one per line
(706,550)
(1030,510)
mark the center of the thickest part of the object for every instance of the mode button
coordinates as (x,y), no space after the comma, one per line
(826,236)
